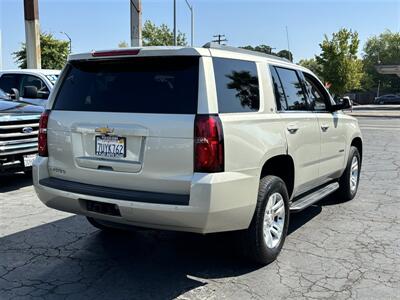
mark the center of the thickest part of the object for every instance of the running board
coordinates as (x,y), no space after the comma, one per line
(314,197)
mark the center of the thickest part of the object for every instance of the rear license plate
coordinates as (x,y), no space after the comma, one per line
(102,208)
(28,160)
(110,146)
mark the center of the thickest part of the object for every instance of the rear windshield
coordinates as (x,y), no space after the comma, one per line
(164,85)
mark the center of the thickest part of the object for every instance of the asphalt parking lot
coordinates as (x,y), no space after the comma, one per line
(340,251)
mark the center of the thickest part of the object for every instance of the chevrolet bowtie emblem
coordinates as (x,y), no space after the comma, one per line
(104,130)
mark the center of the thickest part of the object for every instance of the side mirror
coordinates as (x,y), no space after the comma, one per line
(342,103)
(15,94)
(30,92)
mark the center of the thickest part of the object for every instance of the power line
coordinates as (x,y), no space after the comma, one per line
(220,38)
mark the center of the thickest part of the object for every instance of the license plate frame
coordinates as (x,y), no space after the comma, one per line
(112,140)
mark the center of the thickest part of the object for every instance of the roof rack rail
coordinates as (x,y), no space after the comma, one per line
(212,45)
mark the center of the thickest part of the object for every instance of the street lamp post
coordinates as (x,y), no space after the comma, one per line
(70,41)
(192,22)
(175,37)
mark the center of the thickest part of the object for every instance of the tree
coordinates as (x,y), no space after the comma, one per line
(160,35)
(339,62)
(123,44)
(383,49)
(54,52)
(260,48)
(312,65)
(285,54)
(268,50)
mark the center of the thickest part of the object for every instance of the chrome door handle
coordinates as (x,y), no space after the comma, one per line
(324,127)
(292,128)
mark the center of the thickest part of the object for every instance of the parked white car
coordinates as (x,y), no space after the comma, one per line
(204,140)
(33,86)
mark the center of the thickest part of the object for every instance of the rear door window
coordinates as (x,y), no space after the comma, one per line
(163,85)
(237,85)
(295,96)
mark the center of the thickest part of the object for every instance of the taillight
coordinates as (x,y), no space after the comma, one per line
(208,144)
(42,138)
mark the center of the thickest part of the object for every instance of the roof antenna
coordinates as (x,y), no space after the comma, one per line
(288,45)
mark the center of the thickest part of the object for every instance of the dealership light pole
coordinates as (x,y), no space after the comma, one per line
(191,21)
(70,41)
(32,34)
(136,23)
(175,36)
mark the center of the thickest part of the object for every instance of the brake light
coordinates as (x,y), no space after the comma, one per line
(42,138)
(208,144)
(115,53)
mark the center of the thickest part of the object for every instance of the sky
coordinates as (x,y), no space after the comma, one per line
(102,24)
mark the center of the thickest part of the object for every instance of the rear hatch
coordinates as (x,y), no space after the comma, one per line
(126,123)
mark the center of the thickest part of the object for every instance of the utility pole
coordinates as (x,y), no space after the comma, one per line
(136,23)
(220,38)
(32,34)
(1,57)
(175,36)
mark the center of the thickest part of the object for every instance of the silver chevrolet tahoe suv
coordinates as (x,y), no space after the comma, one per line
(210,139)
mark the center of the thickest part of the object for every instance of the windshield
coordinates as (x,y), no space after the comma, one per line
(52,78)
(158,85)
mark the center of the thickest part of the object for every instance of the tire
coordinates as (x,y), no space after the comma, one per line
(347,187)
(259,247)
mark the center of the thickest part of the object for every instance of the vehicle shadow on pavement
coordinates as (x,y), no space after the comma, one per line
(14,182)
(70,258)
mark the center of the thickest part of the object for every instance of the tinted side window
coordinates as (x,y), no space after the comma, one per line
(237,85)
(278,90)
(295,97)
(9,81)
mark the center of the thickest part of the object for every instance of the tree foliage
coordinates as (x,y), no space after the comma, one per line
(285,54)
(382,49)
(123,44)
(339,62)
(260,48)
(162,35)
(312,65)
(268,50)
(54,52)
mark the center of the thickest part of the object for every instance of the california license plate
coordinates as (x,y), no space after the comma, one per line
(110,146)
(28,160)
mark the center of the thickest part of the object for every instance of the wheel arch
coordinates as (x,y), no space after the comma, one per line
(357,142)
(281,166)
